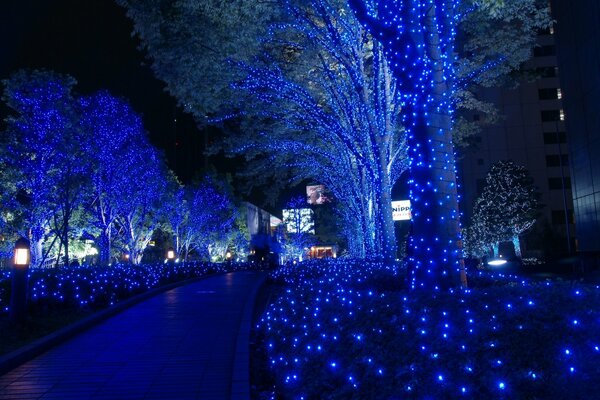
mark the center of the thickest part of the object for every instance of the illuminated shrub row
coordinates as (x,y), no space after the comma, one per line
(98,287)
(351,330)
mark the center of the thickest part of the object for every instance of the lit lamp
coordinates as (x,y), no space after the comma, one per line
(170,254)
(18,297)
(228,255)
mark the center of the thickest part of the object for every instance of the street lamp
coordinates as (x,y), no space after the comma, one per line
(18,297)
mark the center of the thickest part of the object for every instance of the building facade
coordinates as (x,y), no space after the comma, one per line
(578,51)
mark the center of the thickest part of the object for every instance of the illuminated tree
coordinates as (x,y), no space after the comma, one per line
(210,220)
(507,207)
(45,152)
(300,228)
(115,132)
(419,37)
(150,184)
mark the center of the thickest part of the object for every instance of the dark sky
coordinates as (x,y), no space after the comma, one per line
(91,41)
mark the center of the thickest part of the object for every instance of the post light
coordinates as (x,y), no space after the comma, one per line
(170,254)
(228,255)
(18,297)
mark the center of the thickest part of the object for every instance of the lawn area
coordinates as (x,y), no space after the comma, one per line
(352,330)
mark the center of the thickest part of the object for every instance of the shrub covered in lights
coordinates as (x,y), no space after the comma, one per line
(351,330)
(99,287)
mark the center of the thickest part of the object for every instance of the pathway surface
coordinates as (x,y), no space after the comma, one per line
(185,343)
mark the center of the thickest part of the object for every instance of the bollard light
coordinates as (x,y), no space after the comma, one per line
(18,297)
(170,254)
(22,253)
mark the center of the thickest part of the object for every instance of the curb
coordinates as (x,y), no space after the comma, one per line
(240,379)
(28,352)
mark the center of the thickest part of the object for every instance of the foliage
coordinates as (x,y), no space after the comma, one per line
(189,43)
(348,329)
(507,207)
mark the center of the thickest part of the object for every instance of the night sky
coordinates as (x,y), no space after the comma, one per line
(91,41)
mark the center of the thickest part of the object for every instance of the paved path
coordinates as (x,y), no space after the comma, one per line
(185,343)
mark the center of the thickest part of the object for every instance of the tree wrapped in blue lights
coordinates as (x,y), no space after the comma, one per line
(44,152)
(202,219)
(116,134)
(419,37)
(332,114)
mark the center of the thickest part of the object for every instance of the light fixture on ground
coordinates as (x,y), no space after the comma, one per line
(170,255)
(18,297)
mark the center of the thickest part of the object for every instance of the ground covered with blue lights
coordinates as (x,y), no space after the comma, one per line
(352,329)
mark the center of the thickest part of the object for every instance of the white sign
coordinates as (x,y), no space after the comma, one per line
(401,210)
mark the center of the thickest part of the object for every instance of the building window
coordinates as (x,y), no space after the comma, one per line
(555,137)
(548,94)
(555,160)
(556,183)
(547,72)
(558,217)
(544,51)
(551,115)
(562,115)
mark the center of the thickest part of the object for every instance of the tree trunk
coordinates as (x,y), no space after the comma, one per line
(37,239)
(517,244)
(386,222)
(496,249)
(104,244)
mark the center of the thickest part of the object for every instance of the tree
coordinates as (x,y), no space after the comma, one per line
(299,224)
(429,84)
(211,219)
(151,184)
(508,205)
(44,152)
(419,38)
(114,131)
(190,43)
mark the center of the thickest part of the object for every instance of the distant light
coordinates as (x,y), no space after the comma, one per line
(496,262)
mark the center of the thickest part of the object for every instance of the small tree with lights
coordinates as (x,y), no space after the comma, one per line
(507,207)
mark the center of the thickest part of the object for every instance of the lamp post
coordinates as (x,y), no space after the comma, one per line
(18,296)
(170,255)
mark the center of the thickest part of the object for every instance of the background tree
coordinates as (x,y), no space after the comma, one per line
(142,211)
(212,215)
(508,205)
(299,226)
(114,131)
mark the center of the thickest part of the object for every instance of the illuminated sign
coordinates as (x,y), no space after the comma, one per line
(317,194)
(401,210)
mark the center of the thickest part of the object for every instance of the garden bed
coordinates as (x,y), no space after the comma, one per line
(349,329)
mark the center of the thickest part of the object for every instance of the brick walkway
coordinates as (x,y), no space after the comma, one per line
(190,342)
